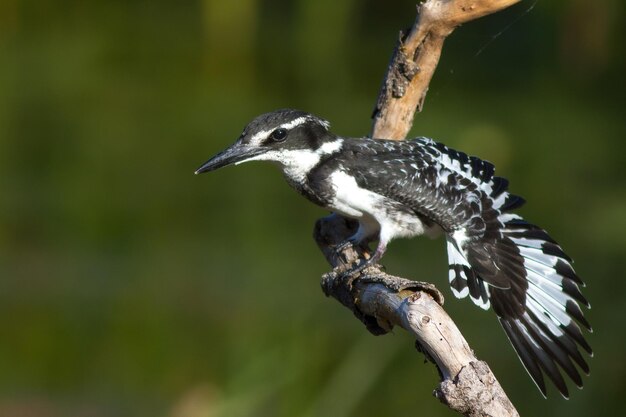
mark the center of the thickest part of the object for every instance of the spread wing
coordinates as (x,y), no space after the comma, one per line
(495,257)
(441,185)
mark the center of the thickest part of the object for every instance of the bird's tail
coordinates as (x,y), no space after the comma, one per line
(519,270)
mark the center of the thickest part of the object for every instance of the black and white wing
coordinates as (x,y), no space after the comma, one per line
(495,256)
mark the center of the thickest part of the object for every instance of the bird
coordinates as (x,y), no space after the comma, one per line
(402,189)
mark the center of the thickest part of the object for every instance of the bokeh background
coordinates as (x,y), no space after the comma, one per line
(131,287)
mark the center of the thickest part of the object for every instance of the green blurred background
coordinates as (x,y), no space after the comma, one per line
(131,287)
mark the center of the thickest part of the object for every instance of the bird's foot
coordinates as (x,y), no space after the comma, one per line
(352,272)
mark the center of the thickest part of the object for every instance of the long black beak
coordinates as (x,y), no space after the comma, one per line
(236,153)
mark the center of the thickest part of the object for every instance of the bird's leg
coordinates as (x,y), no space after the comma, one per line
(380,251)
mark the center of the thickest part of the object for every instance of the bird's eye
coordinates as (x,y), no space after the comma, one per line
(279,135)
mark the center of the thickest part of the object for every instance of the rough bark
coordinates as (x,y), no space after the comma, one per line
(382,301)
(415,59)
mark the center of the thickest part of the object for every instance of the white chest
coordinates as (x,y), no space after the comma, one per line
(394,219)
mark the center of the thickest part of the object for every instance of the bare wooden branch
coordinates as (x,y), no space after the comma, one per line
(382,301)
(468,386)
(415,59)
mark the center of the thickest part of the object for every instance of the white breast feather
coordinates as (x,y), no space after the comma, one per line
(353,201)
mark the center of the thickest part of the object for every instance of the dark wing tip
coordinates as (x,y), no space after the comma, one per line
(544,353)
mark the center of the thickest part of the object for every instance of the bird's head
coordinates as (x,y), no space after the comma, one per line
(292,138)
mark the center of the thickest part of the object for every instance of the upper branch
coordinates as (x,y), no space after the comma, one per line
(415,59)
